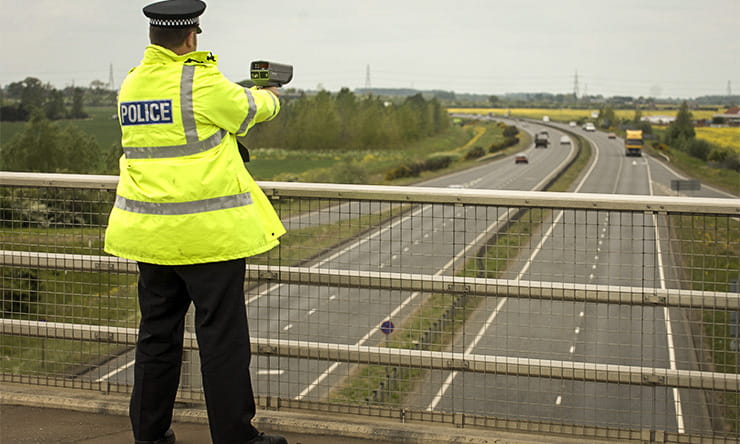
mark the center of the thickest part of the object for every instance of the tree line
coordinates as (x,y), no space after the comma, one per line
(46,146)
(681,135)
(321,122)
(18,100)
(324,121)
(344,121)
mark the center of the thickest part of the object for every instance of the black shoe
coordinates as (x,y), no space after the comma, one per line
(168,438)
(263,438)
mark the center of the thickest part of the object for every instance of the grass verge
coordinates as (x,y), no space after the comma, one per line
(708,249)
(107,298)
(722,178)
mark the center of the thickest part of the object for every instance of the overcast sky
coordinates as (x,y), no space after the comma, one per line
(664,48)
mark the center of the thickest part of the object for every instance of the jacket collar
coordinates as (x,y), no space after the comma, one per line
(155,54)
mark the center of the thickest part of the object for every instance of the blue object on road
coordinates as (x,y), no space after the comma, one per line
(387,327)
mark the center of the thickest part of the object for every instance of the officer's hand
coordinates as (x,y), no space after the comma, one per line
(272,89)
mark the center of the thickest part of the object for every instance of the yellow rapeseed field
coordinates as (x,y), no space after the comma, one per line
(722,137)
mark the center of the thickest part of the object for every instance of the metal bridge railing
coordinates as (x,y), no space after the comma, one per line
(587,315)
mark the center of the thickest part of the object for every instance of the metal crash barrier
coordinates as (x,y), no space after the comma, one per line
(585,315)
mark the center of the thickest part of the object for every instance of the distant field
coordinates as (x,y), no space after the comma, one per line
(565,115)
(262,167)
(100,125)
(722,137)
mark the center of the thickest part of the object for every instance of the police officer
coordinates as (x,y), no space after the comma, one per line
(189,213)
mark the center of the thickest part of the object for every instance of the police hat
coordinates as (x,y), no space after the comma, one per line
(175,13)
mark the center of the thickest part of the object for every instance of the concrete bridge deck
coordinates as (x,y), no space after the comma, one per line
(35,415)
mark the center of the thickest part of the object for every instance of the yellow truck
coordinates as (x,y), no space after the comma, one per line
(633,143)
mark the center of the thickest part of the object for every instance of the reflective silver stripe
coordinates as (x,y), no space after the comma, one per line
(274,106)
(186,103)
(250,113)
(177,208)
(162,152)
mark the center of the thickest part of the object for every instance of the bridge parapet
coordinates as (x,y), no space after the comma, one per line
(584,315)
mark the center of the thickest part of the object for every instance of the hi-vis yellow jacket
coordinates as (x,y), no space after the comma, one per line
(184,195)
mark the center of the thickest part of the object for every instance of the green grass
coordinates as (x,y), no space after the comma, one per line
(567,180)
(709,250)
(50,357)
(80,298)
(8,130)
(358,388)
(62,296)
(493,134)
(109,298)
(53,240)
(291,165)
(100,125)
(267,169)
(722,178)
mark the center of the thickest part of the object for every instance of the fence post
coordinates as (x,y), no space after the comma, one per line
(734,320)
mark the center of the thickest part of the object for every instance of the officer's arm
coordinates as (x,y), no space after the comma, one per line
(234,108)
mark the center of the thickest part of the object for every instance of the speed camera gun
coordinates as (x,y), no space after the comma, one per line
(267,74)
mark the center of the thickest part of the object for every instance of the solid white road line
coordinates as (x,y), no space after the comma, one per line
(666,314)
(115,372)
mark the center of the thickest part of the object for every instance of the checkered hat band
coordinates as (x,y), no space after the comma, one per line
(174,23)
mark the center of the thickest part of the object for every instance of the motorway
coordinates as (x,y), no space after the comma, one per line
(600,248)
(409,244)
(579,247)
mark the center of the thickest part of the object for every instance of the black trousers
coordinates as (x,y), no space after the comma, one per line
(165,293)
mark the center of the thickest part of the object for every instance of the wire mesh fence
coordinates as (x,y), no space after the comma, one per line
(574,314)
